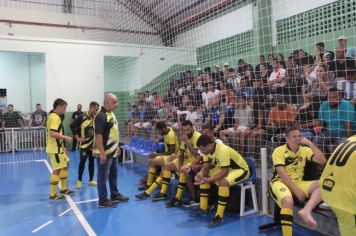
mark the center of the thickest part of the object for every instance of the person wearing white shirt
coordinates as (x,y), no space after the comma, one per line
(277,77)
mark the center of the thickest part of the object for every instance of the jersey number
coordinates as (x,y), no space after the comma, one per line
(343,153)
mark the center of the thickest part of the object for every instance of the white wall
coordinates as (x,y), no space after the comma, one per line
(122,21)
(75,69)
(283,9)
(223,27)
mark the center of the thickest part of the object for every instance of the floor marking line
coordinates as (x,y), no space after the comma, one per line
(65,212)
(18,162)
(91,200)
(88,229)
(42,226)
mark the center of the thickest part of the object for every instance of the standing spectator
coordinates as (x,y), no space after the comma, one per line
(338,115)
(56,150)
(74,116)
(107,149)
(38,119)
(11,119)
(341,64)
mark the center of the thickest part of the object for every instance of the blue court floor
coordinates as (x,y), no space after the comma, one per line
(26,210)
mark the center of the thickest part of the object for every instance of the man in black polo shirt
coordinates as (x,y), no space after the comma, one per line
(74,117)
(107,149)
(11,119)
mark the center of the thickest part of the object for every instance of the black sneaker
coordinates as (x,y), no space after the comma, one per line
(199,212)
(57,197)
(142,188)
(107,204)
(215,222)
(67,192)
(119,198)
(142,196)
(173,203)
(190,203)
(159,197)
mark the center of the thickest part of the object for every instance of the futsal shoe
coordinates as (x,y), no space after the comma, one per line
(92,183)
(67,191)
(107,204)
(215,222)
(57,197)
(173,203)
(79,184)
(119,198)
(159,197)
(199,212)
(142,196)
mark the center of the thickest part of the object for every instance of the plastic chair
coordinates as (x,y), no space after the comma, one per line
(160,147)
(150,147)
(248,184)
(139,146)
(128,148)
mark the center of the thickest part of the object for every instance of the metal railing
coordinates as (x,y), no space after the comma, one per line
(13,139)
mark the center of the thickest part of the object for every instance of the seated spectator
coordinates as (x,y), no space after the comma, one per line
(148,97)
(232,80)
(223,93)
(157,101)
(182,112)
(270,63)
(242,67)
(211,93)
(218,76)
(289,161)
(244,89)
(294,85)
(350,50)
(280,117)
(243,122)
(262,61)
(348,86)
(281,60)
(263,75)
(305,58)
(135,117)
(277,78)
(318,87)
(320,51)
(214,115)
(307,119)
(195,97)
(337,114)
(341,65)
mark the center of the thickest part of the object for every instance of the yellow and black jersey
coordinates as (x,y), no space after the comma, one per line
(225,156)
(83,127)
(171,139)
(193,142)
(54,123)
(294,163)
(338,181)
(105,123)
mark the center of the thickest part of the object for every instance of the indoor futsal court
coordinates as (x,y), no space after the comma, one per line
(26,210)
(178,117)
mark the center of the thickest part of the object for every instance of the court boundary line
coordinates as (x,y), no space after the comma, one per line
(88,229)
(42,226)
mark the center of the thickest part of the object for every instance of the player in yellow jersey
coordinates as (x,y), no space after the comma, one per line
(84,133)
(289,162)
(159,159)
(56,150)
(223,166)
(338,185)
(187,152)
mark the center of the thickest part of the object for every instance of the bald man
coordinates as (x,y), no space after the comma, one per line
(107,149)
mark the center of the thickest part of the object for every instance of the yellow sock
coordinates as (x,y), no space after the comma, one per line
(167,175)
(151,175)
(154,185)
(181,186)
(287,221)
(224,193)
(204,196)
(54,182)
(63,175)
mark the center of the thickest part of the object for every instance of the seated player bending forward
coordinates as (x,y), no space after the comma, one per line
(222,166)
(289,161)
(171,145)
(187,152)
